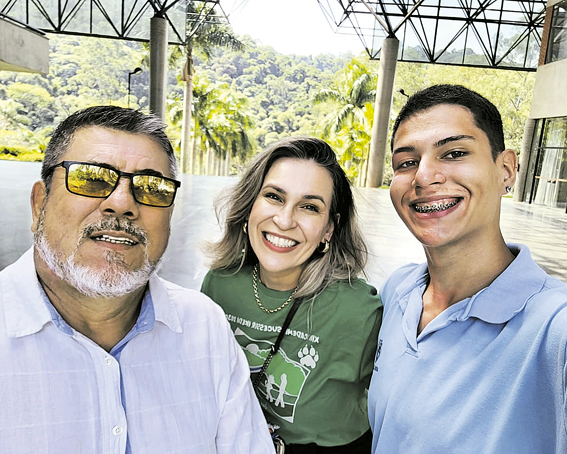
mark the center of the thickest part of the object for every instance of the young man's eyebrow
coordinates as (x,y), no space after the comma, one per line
(408,149)
(453,139)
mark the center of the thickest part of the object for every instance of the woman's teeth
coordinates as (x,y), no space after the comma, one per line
(279,242)
(434,206)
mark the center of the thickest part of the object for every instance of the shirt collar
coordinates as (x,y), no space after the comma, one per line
(145,321)
(509,292)
(25,313)
(498,303)
(27,308)
(164,307)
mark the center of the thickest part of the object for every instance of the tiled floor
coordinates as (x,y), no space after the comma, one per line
(542,229)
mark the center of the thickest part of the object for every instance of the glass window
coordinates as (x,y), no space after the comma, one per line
(557,47)
(533,159)
(550,182)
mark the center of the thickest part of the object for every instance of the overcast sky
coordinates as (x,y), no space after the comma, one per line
(289,26)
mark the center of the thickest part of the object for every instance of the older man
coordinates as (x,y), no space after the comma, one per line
(98,354)
(472,352)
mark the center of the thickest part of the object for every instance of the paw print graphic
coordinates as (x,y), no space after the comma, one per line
(308,356)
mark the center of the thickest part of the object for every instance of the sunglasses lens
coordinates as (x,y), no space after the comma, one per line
(153,190)
(91,180)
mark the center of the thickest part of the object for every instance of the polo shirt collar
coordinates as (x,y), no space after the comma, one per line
(508,294)
(496,303)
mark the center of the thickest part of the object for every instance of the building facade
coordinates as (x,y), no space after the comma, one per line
(543,163)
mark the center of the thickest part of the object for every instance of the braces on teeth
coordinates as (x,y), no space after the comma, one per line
(435,206)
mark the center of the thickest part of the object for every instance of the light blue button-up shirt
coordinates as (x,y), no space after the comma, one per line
(178,382)
(487,375)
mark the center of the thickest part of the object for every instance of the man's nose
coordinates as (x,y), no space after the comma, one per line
(429,171)
(121,201)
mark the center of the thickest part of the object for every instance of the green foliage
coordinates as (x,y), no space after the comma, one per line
(83,72)
(280,88)
(350,103)
(246,96)
(17,152)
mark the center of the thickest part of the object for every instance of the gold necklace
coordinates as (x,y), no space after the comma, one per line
(255,286)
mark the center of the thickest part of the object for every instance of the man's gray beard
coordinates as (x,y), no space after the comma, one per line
(110,282)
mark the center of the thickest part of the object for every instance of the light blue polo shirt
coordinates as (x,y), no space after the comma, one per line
(487,375)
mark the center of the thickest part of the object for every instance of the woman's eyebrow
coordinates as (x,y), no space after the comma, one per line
(314,197)
(306,197)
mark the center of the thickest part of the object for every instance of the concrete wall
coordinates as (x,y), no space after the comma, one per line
(550,91)
(22,49)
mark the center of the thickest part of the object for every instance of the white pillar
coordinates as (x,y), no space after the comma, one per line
(158,65)
(382,108)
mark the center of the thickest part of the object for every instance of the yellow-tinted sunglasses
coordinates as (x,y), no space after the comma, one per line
(99,180)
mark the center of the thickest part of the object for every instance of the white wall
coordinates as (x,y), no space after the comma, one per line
(550,91)
(22,49)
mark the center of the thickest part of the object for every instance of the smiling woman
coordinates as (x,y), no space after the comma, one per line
(286,270)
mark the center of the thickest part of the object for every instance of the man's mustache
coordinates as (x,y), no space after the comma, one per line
(118,225)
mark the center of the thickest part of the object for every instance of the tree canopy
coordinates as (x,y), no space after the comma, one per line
(260,96)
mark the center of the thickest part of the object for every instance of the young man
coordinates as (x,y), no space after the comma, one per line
(98,354)
(472,352)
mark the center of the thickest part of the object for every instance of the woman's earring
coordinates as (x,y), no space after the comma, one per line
(245,227)
(508,189)
(325,248)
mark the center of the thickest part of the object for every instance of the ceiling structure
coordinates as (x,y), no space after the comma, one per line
(119,19)
(484,33)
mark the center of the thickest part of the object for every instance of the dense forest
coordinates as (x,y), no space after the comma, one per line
(256,91)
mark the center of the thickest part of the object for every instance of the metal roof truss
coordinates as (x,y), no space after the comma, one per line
(485,33)
(120,19)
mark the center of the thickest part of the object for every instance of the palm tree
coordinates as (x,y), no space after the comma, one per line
(350,120)
(221,126)
(206,30)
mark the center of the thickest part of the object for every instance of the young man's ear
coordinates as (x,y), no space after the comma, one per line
(37,199)
(509,164)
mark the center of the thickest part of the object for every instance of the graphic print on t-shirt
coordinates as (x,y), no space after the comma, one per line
(280,388)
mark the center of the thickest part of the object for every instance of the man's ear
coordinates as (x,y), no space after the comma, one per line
(37,199)
(509,165)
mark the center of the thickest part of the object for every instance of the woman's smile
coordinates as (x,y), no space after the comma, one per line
(289,219)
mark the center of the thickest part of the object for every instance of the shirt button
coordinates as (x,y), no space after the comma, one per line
(117,430)
(108,360)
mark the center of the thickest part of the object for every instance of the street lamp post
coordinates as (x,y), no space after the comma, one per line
(136,71)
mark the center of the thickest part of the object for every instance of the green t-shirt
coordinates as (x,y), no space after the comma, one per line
(315,388)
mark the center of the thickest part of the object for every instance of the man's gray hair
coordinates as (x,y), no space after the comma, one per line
(111,117)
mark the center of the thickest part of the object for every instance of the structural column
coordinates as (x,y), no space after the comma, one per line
(382,108)
(527,140)
(158,65)
(186,157)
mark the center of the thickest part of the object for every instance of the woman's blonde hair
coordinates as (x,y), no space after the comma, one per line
(347,254)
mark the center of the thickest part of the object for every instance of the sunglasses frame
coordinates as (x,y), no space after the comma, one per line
(130,176)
